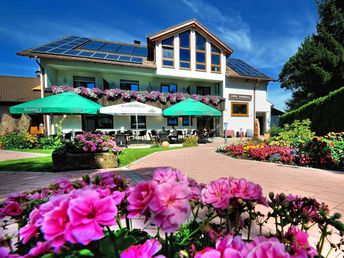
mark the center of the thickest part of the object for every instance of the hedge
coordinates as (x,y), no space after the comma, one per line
(326,113)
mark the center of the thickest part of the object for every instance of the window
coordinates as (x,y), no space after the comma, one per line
(184,50)
(172,121)
(81,81)
(92,122)
(200,52)
(240,109)
(168,52)
(129,85)
(141,122)
(203,90)
(171,88)
(186,121)
(105,122)
(215,59)
(105,84)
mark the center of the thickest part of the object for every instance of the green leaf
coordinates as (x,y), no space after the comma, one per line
(86,252)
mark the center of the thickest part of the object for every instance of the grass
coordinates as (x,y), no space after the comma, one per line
(44,164)
(43,151)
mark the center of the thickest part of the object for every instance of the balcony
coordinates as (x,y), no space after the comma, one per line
(154,98)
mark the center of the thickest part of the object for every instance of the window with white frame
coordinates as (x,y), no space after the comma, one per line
(215,59)
(200,52)
(168,52)
(184,50)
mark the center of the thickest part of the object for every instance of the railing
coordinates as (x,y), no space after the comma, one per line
(118,95)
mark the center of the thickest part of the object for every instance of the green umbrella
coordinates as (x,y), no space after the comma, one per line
(191,107)
(64,103)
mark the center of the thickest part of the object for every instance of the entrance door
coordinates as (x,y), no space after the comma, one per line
(261,119)
(205,122)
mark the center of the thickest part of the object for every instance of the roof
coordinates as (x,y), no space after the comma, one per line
(193,23)
(276,112)
(76,48)
(18,89)
(236,68)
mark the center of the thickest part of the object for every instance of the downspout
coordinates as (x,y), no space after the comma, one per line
(254,105)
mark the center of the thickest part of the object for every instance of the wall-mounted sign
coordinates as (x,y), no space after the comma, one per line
(240,97)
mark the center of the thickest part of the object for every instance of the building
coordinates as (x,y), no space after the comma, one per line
(183,59)
(275,116)
(15,90)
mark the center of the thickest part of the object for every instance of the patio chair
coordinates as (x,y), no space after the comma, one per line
(121,140)
(163,137)
(180,135)
(142,134)
(68,136)
(153,136)
(112,133)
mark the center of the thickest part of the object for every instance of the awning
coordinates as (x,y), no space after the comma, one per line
(131,109)
(64,103)
(191,107)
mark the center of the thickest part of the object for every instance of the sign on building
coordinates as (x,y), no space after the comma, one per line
(240,97)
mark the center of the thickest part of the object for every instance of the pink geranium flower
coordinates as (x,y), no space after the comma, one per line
(147,250)
(208,252)
(262,247)
(31,229)
(88,212)
(170,205)
(300,244)
(56,221)
(12,209)
(139,198)
(164,175)
(217,193)
(40,249)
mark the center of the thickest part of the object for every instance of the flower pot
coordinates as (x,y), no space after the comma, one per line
(63,161)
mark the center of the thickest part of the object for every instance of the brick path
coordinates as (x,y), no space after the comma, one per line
(204,164)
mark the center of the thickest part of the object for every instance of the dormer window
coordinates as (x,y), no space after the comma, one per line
(184,50)
(168,52)
(215,59)
(200,52)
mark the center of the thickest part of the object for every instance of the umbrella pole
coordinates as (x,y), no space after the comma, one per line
(137,126)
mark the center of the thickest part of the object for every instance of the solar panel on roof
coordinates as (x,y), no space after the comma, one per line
(99,55)
(93,45)
(136,60)
(110,47)
(112,57)
(124,58)
(84,53)
(57,51)
(72,52)
(140,51)
(125,50)
(243,68)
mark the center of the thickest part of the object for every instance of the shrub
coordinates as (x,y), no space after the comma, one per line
(274,131)
(325,113)
(336,144)
(294,135)
(16,140)
(89,142)
(316,153)
(190,141)
(92,217)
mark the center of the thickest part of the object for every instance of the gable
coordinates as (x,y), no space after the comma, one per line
(191,24)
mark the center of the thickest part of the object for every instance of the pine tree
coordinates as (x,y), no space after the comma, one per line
(318,66)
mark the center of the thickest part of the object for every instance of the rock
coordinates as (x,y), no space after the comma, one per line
(165,144)
(64,161)
(24,123)
(256,129)
(8,124)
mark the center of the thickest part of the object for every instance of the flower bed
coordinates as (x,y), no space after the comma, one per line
(86,151)
(94,217)
(140,96)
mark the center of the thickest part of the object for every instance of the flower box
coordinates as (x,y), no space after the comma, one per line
(64,161)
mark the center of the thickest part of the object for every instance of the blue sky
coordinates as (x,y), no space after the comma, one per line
(264,33)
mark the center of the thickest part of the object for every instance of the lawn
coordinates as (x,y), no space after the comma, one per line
(45,163)
(43,151)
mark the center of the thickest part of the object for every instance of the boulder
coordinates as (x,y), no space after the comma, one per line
(24,123)
(8,124)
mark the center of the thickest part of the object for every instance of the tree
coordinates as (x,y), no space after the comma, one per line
(318,66)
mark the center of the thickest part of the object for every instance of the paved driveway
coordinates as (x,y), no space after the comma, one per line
(204,164)
(10,155)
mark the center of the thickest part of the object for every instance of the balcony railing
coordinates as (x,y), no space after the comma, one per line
(108,97)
